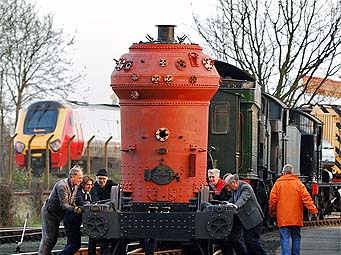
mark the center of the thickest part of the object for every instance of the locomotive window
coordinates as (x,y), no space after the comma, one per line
(41,121)
(275,111)
(220,118)
(307,125)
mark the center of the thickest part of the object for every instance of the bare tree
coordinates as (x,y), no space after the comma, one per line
(278,42)
(35,63)
(35,57)
(4,27)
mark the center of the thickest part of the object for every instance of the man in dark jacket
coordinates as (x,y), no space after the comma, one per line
(60,201)
(102,187)
(101,191)
(249,214)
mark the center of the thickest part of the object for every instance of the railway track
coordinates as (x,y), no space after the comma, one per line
(165,252)
(326,222)
(13,235)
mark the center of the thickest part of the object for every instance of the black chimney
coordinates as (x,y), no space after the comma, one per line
(166,33)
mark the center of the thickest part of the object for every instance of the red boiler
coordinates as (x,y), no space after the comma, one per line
(164,87)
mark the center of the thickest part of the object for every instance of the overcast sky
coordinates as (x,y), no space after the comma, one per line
(105,29)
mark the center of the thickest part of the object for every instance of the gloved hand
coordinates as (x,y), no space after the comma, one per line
(272,213)
(235,206)
(78,209)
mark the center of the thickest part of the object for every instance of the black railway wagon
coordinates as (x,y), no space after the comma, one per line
(254,134)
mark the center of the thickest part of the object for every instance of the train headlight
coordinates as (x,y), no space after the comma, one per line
(19,147)
(55,145)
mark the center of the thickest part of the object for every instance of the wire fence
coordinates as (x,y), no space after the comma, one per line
(23,178)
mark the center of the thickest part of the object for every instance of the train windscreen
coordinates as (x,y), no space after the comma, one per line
(40,121)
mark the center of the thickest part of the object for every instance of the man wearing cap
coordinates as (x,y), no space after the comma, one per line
(102,187)
(101,191)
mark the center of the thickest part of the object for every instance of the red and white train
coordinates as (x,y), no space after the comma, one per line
(68,133)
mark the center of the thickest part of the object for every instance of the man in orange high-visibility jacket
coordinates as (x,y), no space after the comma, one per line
(287,198)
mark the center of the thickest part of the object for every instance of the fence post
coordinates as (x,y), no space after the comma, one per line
(69,151)
(10,161)
(29,165)
(47,161)
(106,153)
(88,154)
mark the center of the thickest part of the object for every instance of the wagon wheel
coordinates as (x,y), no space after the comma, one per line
(96,226)
(218,227)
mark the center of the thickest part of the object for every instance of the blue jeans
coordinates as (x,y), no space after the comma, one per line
(294,233)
